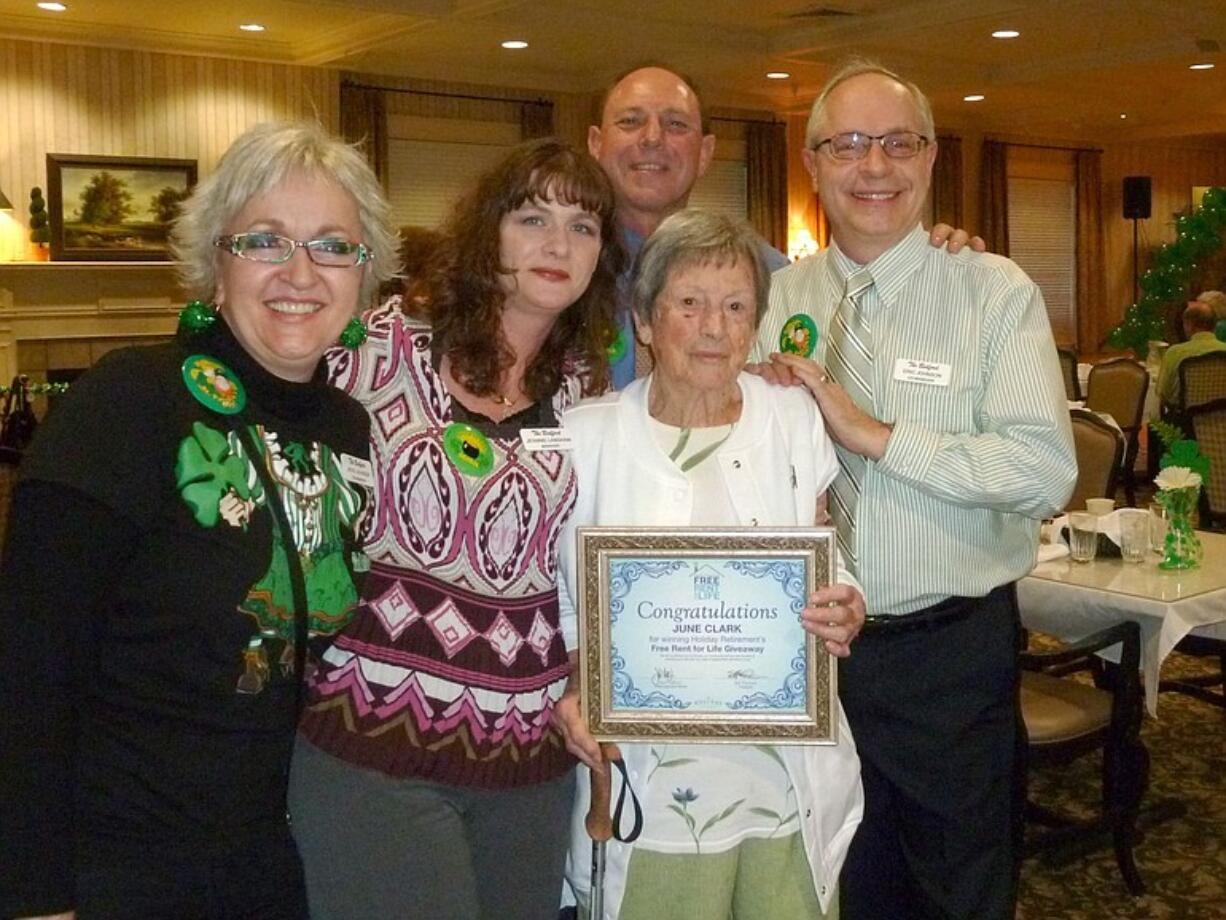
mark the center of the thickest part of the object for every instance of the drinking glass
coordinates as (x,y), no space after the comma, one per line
(1157,528)
(1082,536)
(1134,534)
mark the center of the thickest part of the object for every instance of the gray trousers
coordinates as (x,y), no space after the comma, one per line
(376,847)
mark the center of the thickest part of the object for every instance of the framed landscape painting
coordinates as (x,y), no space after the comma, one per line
(114,208)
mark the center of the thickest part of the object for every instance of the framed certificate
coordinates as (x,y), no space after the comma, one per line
(694,634)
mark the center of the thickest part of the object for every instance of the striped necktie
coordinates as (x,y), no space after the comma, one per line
(849,362)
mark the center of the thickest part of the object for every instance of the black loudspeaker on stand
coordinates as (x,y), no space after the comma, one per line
(1137,205)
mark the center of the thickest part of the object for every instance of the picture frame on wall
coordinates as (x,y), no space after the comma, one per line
(105,208)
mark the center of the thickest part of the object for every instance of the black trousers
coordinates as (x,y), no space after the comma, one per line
(250,877)
(935,715)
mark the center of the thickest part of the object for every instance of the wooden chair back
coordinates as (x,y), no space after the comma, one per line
(1099,446)
(1118,387)
(1068,371)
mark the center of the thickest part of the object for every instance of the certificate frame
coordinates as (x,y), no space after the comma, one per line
(784,565)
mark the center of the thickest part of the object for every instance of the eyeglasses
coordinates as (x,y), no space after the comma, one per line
(332,252)
(852,145)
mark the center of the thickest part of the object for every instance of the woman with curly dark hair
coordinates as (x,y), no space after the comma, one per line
(429,780)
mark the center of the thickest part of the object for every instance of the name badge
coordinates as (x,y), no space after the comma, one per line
(909,370)
(538,439)
(357,471)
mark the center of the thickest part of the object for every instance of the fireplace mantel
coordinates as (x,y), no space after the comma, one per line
(86,301)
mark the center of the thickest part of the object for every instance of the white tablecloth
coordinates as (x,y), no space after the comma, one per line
(1071,600)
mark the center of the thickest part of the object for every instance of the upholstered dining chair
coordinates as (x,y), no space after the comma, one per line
(1202,379)
(1099,447)
(1067,718)
(1118,386)
(1207,423)
(1068,371)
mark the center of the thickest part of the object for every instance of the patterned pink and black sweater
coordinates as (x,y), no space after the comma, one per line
(452,666)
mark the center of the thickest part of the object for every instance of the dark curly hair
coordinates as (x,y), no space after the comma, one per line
(466,299)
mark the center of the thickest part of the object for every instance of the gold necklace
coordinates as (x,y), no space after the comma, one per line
(507,404)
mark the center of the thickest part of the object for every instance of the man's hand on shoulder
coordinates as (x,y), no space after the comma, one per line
(955,240)
(850,426)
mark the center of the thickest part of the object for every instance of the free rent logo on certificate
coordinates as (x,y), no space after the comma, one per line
(713,634)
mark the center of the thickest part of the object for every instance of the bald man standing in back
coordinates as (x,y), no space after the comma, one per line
(654,144)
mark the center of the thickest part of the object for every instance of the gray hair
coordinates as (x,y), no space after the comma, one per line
(1216,301)
(260,158)
(858,67)
(693,237)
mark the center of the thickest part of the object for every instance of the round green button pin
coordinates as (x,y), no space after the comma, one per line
(214,385)
(468,449)
(799,336)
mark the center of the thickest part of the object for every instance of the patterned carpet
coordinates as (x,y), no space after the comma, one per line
(1182,860)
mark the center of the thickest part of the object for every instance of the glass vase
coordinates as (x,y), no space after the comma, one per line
(1182,549)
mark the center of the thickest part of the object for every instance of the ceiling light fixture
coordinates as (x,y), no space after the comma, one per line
(1201,66)
(251,27)
(1123,114)
(777,75)
(1006,33)
(973,97)
(515,44)
(52,7)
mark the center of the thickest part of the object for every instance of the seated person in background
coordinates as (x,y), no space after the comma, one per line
(1198,322)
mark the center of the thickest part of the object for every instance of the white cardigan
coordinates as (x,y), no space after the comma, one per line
(776,462)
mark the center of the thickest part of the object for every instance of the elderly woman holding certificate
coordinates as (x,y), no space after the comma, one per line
(730,830)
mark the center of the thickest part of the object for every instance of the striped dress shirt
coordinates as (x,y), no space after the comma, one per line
(978,455)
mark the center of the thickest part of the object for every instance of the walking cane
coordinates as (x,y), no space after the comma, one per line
(599,824)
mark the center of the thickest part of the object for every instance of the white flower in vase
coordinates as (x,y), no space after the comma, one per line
(1177,477)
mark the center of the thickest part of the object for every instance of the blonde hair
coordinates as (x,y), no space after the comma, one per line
(260,158)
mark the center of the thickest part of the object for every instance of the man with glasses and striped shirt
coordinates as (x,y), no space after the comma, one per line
(938,381)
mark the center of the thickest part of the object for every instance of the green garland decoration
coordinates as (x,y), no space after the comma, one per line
(1197,235)
(37,389)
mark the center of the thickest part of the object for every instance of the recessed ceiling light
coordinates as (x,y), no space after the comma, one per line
(515,44)
(1006,33)
(1123,114)
(973,97)
(1201,67)
(777,75)
(251,27)
(52,7)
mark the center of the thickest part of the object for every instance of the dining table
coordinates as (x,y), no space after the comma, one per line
(1071,600)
